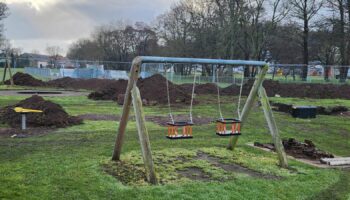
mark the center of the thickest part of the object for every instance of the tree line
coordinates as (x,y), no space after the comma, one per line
(279,31)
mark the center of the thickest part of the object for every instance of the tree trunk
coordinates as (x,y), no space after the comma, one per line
(306,48)
(343,71)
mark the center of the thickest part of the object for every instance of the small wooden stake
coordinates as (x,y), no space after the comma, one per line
(143,136)
(273,128)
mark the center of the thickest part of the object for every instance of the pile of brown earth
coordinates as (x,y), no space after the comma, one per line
(304,90)
(153,91)
(53,114)
(23,79)
(305,150)
(110,92)
(77,83)
(207,88)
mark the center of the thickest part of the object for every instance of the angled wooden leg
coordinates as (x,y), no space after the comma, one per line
(134,73)
(143,136)
(273,128)
(249,103)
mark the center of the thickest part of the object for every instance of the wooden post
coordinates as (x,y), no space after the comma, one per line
(273,128)
(10,73)
(5,72)
(143,136)
(250,102)
(134,74)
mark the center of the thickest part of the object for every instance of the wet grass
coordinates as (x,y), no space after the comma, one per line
(71,163)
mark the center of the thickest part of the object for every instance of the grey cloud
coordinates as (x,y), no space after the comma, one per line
(69,20)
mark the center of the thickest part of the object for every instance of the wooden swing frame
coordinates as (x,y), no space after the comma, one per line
(132,95)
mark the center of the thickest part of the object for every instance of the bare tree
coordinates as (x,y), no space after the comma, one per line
(4,12)
(54,53)
(305,11)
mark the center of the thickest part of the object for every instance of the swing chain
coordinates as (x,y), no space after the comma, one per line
(168,93)
(192,95)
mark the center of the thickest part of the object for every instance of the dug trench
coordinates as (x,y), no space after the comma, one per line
(300,150)
(320,110)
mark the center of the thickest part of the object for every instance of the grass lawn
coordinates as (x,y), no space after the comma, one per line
(68,163)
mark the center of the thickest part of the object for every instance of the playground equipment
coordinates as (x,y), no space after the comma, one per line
(228,126)
(24,112)
(180,129)
(132,94)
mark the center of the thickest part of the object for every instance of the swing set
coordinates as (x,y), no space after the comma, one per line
(183,129)
(180,129)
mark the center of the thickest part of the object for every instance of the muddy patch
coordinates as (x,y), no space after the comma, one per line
(320,110)
(18,133)
(99,117)
(301,150)
(194,173)
(160,120)
(235,168)
(163,120)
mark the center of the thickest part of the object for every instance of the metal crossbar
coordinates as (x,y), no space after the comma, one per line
(153,59)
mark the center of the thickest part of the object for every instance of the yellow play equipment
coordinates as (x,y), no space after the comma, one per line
(23,112)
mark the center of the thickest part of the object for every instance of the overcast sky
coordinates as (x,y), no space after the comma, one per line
(35,24)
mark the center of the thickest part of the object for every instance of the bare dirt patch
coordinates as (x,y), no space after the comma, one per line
(18,133)
(99,117)
(301,150)
(194,173)
(160,120)
(163,120)
(232,167)
(42,93)
(320,110)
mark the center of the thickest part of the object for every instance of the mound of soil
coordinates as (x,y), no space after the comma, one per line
(25,80)
(287,108)
(87,84)
(53,114)
(306,150)
(305,90)
(153,90)
(207,88)
(110,91)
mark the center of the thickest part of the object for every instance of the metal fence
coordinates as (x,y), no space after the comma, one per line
(178,73)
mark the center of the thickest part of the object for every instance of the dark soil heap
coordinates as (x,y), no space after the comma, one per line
(207,88)
(76,83)
(25,80)
(297,149)
(153,90)
(110,92)
(303,90)
(53,114)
